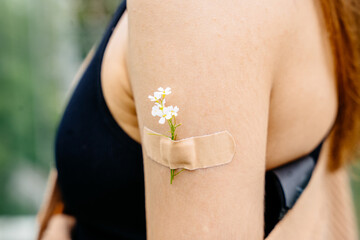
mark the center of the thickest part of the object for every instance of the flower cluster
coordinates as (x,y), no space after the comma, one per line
(165,113)
(160,109)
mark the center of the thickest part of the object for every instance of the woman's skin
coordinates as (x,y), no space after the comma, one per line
(272,62)
(258,69)
(303,103)
(59,227)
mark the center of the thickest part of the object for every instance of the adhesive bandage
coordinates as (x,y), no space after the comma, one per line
(190,153)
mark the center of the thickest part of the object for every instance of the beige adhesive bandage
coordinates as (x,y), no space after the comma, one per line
(190,153)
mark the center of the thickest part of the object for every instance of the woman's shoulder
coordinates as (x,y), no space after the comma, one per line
(218,58)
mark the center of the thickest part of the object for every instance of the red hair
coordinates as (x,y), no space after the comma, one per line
(342,20)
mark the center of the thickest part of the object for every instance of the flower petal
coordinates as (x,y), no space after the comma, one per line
(162,120)
(167,91)
(157,95)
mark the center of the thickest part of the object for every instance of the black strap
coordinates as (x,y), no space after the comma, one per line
(285,184)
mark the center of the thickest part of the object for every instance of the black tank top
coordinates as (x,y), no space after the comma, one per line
(100,168)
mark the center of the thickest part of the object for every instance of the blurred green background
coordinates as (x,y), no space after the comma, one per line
(42,44)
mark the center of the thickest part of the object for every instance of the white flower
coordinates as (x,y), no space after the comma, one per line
(173,110)
(156,111)
(152,98)
(166,114)
(161,104)
(165,91)
(159,109)
(156,97)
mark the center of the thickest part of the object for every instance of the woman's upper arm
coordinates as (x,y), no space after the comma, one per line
(218,58)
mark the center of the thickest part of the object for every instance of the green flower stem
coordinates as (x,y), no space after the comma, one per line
(173,137)
(179,172)
(158,134)
(171,176)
